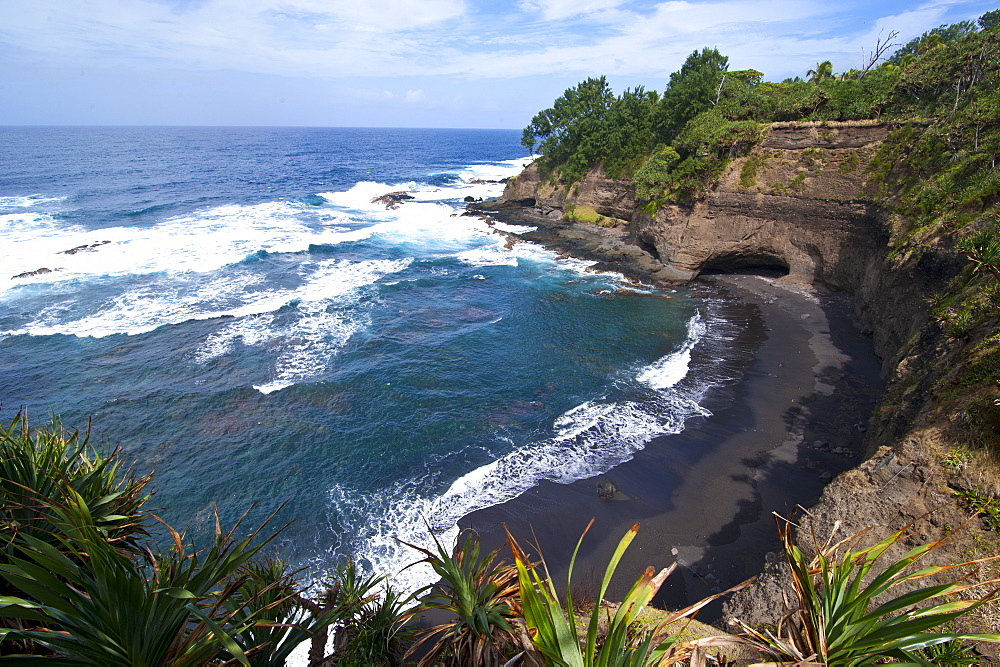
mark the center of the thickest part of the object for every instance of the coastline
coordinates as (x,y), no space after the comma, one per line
(792,419)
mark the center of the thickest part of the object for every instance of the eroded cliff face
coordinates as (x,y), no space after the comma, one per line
(796,202)
(801,201)
(609,197)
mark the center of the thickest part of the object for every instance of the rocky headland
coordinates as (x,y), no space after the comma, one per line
(802,205)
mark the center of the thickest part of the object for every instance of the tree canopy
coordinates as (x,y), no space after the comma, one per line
(706,112)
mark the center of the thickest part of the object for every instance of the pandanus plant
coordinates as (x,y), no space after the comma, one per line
(553,627)
(39,466)
(479,593)
(92,603)
(80,585)
(983,248)
(849,609)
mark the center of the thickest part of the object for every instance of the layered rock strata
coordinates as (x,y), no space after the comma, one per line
(800,202)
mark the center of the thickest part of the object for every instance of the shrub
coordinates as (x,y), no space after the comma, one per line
(836,619)
(479,591)
(40,468)
(750,169)
(983,504)
(553,629)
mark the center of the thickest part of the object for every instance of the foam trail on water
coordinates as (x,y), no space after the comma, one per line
(328,309)
(204,241)
(476,181)
(586,441)
(146,308)
(487,256)
(672,368)
(28,201)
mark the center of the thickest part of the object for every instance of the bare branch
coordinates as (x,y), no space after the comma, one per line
(881,46)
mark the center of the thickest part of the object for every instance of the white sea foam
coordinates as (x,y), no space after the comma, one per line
(591,439)
(426,221)
(672,368)
(327,313)
(31,223)
(487,256)
(200,242)
(513,229)
(328,310)
(305,348)
(148,307)
(28,201)
(586,441)
(477,181)
(359,197)
(495,171)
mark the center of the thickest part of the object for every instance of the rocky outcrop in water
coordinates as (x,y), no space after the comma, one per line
(31,274)
(392,200)
(84,248)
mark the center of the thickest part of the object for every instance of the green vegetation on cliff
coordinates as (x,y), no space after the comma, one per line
(938,174)
(935,175)
(675,144)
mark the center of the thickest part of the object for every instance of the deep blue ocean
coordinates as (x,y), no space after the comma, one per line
(230,307)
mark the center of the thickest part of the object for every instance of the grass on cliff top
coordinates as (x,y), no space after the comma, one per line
(867,122)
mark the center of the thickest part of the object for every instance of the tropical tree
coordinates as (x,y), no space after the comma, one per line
(694,88)
(569,131)
(823,71)
(927,42)
(989,20)
(628,131)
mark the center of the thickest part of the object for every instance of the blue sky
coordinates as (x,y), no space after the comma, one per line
(400,63)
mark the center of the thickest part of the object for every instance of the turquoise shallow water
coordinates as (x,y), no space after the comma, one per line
(238,315)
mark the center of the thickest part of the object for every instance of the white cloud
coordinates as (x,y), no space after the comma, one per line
(367,94)
(555,10)
(391,38)
(380,15)
(414,96)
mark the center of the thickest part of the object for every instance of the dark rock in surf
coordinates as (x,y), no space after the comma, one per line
(29,274)
(84,248)
(392,200)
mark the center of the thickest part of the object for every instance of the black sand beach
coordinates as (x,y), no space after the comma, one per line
(704,497)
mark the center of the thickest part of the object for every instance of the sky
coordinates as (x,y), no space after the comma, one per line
(402,63)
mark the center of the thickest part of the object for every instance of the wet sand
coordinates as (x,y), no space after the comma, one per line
(704,497)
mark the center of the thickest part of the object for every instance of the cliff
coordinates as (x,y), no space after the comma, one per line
(801,202)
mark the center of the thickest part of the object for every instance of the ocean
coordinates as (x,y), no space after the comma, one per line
(231,308)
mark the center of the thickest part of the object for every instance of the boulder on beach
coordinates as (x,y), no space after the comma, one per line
(606,489)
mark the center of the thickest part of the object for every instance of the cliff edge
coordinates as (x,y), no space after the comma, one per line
(802,202)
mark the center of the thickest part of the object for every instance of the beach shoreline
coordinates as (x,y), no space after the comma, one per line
(794,418)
